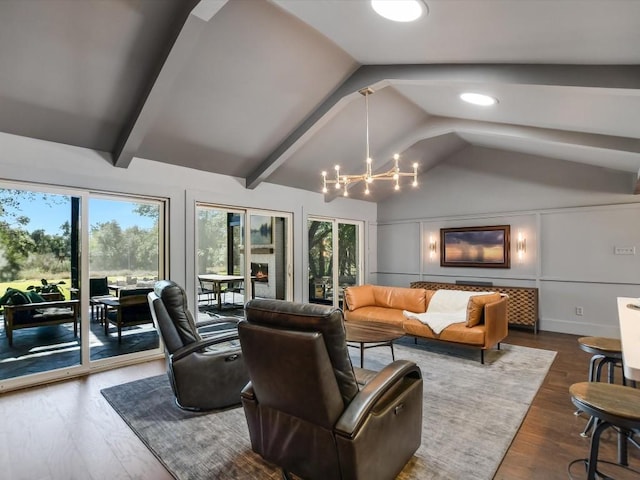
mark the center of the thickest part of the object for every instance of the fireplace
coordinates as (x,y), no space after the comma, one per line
(260,271)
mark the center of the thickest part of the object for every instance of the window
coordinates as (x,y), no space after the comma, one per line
(43,259)
(124,253)
(326,270)
(236,261)
(38,263)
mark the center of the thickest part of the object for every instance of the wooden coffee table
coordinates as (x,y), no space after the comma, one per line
(371,335)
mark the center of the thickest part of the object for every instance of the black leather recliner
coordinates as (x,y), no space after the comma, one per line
(205,373)
(304,406)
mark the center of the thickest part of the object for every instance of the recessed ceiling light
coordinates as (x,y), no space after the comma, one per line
(399,10)
(478,99)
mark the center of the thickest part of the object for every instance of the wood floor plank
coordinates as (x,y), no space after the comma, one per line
(549,437)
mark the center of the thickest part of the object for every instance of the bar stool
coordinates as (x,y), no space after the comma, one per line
(606,351)
(610,405)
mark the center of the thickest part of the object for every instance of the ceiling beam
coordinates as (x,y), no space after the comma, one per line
(439,126)
(378,76)
(186,31)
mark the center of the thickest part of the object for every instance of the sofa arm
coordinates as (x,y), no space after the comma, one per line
(358,296)
(496,322)
(356,413)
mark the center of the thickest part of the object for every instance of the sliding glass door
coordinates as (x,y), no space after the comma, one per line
(330,274)
(39,265)
(238,260)
(125,242)
(270,256)
(220,259)
(67,258)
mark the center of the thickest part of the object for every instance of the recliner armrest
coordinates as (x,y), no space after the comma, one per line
(355,414)
(217,321)
(206,342)
(247,392)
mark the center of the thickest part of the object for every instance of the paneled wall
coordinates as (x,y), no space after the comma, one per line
(571,243)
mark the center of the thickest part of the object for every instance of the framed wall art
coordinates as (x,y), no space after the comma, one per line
(486,247)
(261,230)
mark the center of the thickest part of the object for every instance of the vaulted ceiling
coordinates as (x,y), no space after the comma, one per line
(268,90)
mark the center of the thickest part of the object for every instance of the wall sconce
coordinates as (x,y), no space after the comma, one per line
(433,247)
(521,246)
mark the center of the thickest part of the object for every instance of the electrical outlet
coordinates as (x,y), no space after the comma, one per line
(579,311)
(624,250)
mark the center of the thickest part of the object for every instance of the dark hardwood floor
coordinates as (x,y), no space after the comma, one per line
(67,430)
(549,437)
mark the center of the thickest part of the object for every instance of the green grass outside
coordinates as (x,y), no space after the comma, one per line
(24,284)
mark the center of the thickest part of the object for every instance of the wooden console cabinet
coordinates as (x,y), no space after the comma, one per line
(522,307)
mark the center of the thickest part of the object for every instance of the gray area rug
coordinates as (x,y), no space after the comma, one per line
(471,414)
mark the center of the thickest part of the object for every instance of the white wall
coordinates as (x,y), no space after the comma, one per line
(571,215)
(29,160)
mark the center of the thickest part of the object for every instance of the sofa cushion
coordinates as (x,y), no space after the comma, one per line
(412,299)
(51,314)
(376,314)
(475,307)
(360,296)
(427,296)
(457,332)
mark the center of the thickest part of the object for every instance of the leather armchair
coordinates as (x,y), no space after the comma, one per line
(205,373)
(309,411)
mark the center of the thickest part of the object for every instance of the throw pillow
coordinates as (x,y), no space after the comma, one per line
(13,296)
(475,307)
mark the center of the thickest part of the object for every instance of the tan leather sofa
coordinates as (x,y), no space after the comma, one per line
(383,304)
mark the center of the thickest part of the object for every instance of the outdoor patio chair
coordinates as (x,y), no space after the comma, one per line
(205,294)
(98,289)
(132,309)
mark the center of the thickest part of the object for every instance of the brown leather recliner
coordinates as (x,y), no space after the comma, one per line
(304,405)
(205,373)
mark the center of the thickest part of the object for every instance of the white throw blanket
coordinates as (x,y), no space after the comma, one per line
(445,308)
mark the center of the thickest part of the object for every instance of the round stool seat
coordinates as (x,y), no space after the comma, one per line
(611,406)
(610,347)
(616,404)
(606,351)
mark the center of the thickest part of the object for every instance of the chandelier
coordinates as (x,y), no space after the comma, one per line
(342,181)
